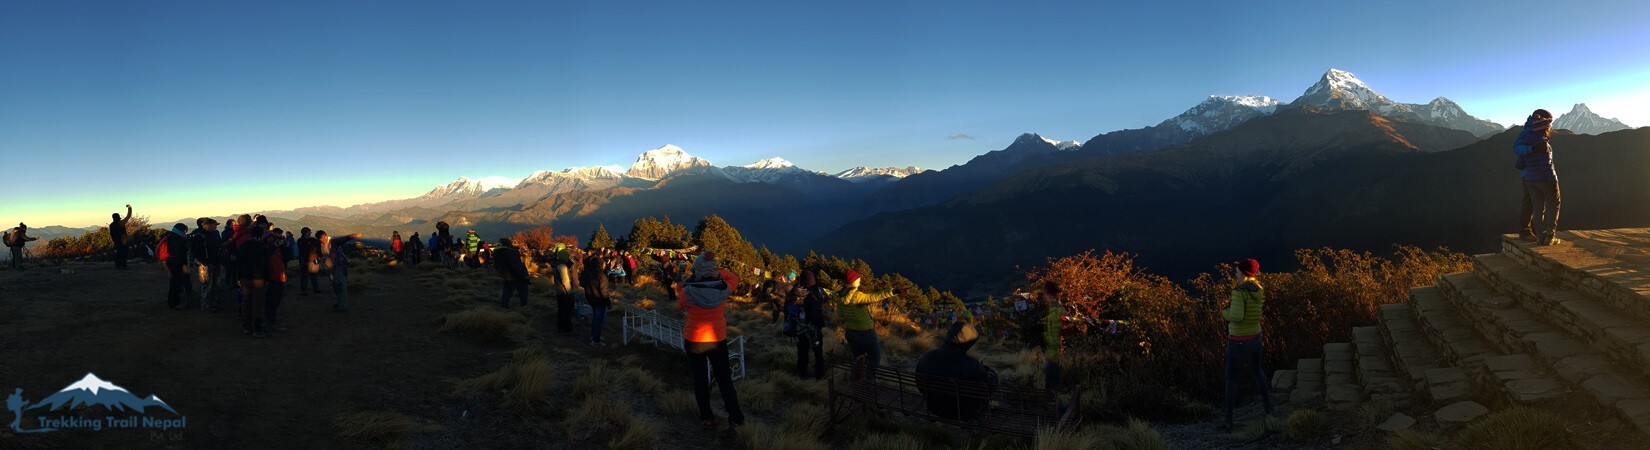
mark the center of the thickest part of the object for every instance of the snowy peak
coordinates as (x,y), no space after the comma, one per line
(544,177)
(1343,90)
(1582,120)
(1034,139)
(661,162)
(467,187)
(863,174)
(1222,112)
(770,163)
(93,384)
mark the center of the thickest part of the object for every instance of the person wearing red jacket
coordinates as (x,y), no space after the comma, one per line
(395,245)
(704,299)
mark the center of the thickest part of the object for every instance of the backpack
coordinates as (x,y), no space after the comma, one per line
(793,319)
(11,237)
(163,249)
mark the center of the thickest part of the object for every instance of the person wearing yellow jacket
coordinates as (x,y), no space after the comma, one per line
(854,314)
(1243,343)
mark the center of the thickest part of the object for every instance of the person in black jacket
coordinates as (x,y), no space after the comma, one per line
(807,298)
(174,251)
(512,270)
(252,266)
(309,262)
(117,233)
(596,284)
(205,248)
(951,361)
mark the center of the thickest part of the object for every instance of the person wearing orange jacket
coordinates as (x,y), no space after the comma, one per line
(704,298)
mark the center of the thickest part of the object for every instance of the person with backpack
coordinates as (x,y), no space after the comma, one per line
(252,266)
(275,286)
(596,287)
(951,361)
(512,270)
(204,244)
(854,314)
(1243,335)
(1535,165)
(804,318)
(15,240)
(704,300)
(173,250)
(395,245)
(562,260)
(334,249)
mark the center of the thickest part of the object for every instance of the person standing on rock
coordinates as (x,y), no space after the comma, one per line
(1535,164)
(117,234)
(704,300)
(1243,338)
(15,240)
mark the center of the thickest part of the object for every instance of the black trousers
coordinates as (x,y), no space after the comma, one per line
(177,282)
(808,341)
(513,286)
(564,312)
(274,292)
(120,254)
(716,355)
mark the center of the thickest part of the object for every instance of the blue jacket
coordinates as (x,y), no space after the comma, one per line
(1533,164)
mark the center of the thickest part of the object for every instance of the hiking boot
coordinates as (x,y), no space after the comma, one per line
(1549,239)
(708,424)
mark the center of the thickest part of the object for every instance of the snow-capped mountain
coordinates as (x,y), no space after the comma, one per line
(771,170)
(91,390)
(472,188)
(1582,120)
(584,174)
(864,174)
(1339,89)
(770,163)
(661,162)
(1222,112)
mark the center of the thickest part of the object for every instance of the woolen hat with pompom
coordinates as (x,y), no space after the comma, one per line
(1249,266)
(851,276)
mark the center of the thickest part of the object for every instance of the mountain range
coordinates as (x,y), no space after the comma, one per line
(1231,176)
(1583,121)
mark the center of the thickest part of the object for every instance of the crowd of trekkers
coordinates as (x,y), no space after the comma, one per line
(247,261)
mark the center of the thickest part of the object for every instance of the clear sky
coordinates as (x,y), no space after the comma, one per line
(184,108)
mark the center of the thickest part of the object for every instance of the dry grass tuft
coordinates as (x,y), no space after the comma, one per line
(359,282)
(887,441)
(760,436)
(638,434)
(595,381)
(806,419)
(1409,439)
(458,283)
(1305,425)
(488,322)
(1137,436)
(526,380)
(676,402)
(598,413)
(382,428)
(1048,439)
(756,394)
(641,380)
(1519,427)
(798,389)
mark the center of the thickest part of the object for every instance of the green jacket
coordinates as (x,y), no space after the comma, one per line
(1243,314)
(852,311)
(1051,331)
(473,242)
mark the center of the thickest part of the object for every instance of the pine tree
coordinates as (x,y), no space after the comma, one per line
(716,235)
(600,239)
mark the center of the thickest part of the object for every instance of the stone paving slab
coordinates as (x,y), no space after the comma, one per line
(1610,388)
(1460,412)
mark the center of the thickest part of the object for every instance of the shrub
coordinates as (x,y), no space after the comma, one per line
(1519,427)
(383,428)
(1304,425)
(487,322)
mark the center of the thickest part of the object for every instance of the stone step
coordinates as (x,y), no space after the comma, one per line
(1496,316)
(1613,265)
(1380,379)
(1625,338)
(1412,354)
(1455,339)
(1309,387)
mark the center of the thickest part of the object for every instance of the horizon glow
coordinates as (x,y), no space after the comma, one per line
(273,107)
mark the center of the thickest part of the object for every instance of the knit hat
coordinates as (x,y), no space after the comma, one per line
(1249,266)
(179,226)
(851,276)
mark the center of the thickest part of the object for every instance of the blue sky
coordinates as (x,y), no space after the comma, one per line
(186,108)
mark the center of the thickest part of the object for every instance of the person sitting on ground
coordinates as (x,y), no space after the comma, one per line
(1243,341)
(705,337)
(15,240)
(951,361)
(512,270)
